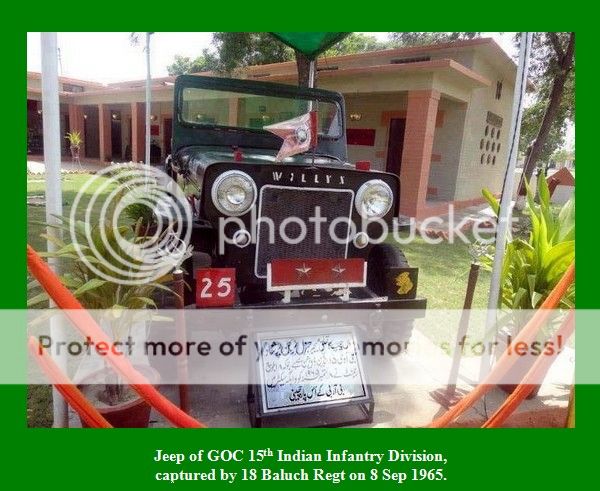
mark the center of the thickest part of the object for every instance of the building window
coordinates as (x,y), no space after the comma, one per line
(72,88)
(491,134)
(498,90)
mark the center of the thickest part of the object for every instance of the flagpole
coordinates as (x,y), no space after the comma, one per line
(148,100)
(52,164)
(311,74)
(505,212)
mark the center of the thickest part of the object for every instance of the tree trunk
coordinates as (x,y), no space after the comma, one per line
(540,140)
(556,94)
(303,66)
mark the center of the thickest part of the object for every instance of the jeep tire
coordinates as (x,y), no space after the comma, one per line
(381,258)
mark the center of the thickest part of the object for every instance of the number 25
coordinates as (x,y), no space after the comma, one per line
(223,287)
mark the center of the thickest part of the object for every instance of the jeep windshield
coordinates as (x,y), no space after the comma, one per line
(251,111)
(229,113)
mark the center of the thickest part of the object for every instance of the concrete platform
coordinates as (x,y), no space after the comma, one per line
(396,406)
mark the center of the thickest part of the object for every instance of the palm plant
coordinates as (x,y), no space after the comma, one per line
(75,142)
(90,280)
(142,213)
(74,138)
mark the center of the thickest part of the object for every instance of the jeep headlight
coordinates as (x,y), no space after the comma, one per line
(233,192)
(374,199)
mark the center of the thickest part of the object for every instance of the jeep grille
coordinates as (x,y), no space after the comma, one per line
(280,202)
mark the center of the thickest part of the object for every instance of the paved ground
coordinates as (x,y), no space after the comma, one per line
(38,167)
(396,406)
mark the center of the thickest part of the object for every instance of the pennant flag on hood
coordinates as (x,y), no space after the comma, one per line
(299,134)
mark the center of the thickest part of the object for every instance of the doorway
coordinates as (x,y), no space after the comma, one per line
(115,136)
(167,135)
(395,145)
(91,128)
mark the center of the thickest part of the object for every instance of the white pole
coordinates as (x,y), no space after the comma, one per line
(148,99)
(52,162)
(505,213)
(312,67)
(311,82)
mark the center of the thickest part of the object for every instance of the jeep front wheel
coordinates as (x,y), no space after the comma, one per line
(381,258)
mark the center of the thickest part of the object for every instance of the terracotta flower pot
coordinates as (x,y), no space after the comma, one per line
(132,413)
(510,388)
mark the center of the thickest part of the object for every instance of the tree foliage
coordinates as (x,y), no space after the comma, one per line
(532,117)
(233,50)
(239,49)
(563,155)
(184,64)
(400,39)
(356,42)
(553,72)
(545,66)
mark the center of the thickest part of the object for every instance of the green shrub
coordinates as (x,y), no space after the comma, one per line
(532,268)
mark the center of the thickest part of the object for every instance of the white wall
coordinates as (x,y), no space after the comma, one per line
(562,194)
(473,175)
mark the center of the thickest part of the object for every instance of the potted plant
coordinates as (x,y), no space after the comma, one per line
(136,209)
(75,142)
(534,263)
(142,218)
(119,404)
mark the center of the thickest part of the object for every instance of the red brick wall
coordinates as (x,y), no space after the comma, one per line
(421,118)
(138,131)
(76,124)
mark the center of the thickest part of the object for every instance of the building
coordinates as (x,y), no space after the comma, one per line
(436,115)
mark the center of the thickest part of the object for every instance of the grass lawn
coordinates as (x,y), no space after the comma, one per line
(443,273)
(71,183)
(39,397)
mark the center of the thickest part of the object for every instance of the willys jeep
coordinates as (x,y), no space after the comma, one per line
(308,230)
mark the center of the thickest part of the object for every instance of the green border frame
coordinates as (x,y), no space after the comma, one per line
(90,459)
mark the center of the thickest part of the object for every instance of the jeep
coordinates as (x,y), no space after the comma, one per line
(304,231)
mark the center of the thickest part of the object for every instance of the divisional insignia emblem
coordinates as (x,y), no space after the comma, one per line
(401,282)
(404,283)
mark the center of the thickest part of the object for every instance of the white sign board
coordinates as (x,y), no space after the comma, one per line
(308,368)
